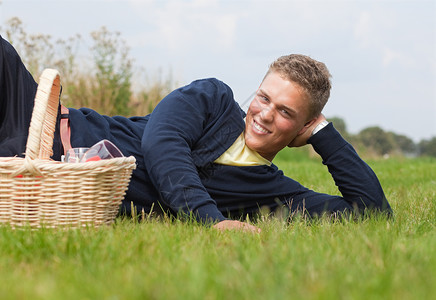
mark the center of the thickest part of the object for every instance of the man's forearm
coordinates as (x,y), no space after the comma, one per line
(356,181)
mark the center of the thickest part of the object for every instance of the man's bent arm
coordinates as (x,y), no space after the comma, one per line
(356,181)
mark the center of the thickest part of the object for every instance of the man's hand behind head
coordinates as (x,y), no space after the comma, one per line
(301,139)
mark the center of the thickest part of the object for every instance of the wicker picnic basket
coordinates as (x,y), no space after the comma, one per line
(38,192)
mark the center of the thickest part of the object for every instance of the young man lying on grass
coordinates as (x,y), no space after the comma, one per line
(198,153)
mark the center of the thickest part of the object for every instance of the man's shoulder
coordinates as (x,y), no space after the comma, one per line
(208,90)
(209,84)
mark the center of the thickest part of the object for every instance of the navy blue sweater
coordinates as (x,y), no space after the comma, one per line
(176,145)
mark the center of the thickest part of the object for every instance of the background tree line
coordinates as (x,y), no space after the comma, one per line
(102,80)
(374,141)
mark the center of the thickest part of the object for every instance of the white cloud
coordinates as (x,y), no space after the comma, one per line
(392,57)
(180,25)
(363,31)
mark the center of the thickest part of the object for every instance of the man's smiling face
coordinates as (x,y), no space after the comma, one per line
(278,113)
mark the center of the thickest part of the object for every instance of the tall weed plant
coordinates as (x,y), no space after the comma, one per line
(102,79)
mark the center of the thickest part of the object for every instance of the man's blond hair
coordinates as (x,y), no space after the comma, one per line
(311,75)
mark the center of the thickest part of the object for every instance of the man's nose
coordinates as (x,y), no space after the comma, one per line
(267,114)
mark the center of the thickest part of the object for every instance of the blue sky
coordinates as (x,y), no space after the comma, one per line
(382,54)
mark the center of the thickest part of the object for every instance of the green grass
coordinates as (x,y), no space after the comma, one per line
(373,258)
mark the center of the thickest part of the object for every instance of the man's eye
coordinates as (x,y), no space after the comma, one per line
(284,113)
(263,98)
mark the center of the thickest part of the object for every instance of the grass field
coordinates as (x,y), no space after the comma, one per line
(375,258)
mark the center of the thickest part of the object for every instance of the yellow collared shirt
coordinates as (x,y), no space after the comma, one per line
(239,154)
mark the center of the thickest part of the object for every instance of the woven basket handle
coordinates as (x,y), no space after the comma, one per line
(44,115)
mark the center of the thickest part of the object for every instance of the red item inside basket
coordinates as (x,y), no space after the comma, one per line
(94,158)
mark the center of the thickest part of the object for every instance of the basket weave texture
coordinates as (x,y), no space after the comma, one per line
(38,192)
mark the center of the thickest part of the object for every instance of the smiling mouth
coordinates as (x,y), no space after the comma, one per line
(259,128)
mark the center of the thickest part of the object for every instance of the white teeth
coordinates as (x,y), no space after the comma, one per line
(259,128)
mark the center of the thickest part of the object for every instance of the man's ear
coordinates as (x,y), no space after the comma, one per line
(307,126)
